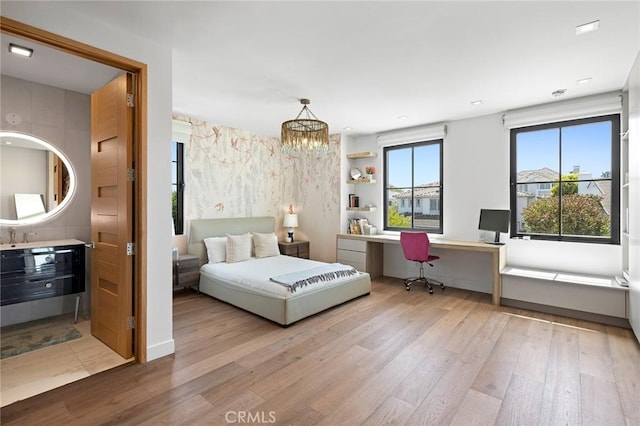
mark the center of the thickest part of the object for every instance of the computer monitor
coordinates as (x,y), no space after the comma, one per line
(496,221)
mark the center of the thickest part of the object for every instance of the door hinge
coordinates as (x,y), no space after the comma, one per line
(131,249)
(131,174)
(131,323)
(130,100)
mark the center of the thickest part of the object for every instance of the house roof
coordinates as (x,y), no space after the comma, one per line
(604,186)
(420,192)
(544,174)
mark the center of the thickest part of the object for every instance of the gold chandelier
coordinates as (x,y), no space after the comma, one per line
(305,132)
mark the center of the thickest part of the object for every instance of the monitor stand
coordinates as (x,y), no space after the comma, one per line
(496,242)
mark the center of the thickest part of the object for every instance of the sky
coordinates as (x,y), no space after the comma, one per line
(426,165)
(585,145)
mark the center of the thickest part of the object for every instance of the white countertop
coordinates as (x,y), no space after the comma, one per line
(36,244)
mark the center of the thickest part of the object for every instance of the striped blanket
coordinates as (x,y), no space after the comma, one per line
(328,272)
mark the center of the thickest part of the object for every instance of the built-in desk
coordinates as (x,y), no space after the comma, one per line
(365,253)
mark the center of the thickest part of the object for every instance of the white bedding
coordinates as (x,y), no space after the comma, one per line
(256,273)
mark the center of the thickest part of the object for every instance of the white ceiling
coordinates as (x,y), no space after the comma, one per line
(365,63)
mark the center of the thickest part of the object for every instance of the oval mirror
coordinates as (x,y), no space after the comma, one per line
(38,181)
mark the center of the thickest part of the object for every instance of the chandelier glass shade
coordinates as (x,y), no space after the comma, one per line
(305,133)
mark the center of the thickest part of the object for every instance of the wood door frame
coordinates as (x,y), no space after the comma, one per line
(9,26)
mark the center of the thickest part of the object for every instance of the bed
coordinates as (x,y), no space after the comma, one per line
(243,285)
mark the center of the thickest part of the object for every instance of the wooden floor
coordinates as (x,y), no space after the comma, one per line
(389,358)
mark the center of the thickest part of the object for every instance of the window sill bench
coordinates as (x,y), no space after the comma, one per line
(575,294)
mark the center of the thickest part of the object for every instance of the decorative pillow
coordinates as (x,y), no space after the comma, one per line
(238,247)
(266,245)
(216,249)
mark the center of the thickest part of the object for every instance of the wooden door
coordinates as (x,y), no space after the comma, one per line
(112,215)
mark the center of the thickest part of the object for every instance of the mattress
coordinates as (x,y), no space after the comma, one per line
(254,275)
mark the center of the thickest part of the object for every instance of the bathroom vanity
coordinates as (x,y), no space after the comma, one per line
(39,270)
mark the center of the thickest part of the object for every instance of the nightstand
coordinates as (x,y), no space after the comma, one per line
(295,249)
(186,271)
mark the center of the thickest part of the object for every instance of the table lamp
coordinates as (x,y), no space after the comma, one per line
(290,221)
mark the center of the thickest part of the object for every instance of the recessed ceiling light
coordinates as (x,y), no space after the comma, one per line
(9,143)
(587,28)
(20,50)
(402,117)
(478,102)
(346,128)
(583,80)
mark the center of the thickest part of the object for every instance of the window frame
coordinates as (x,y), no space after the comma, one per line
(178,166)
(614,238)
(386,188)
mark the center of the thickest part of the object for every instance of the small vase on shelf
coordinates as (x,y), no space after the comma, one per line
(370,171)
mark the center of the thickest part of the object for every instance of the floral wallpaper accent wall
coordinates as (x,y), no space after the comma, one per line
(235,173)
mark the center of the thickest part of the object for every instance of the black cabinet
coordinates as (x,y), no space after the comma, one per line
(41,272)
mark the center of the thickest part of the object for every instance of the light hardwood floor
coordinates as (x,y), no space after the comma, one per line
(393,357)
(32,373)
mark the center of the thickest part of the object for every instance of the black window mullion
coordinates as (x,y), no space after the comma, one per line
(413,186)
(560,186)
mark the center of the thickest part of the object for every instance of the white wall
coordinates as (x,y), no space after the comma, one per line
(476,175)
(51,16)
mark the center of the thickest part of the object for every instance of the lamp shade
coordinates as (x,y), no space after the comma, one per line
(290,220)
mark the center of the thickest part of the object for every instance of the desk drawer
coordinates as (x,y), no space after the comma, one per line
(354,245)
(354,258)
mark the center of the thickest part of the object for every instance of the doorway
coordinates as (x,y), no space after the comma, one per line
(138,142)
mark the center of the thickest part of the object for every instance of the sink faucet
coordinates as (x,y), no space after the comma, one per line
(27,235)
(12,240)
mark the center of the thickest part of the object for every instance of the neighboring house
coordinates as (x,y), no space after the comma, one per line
(602,189)
(426,200)
(535,184)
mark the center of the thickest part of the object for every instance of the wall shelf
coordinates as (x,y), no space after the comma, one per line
(361,209)
(356,181)
(366,154)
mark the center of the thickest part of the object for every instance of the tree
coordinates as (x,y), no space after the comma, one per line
(568,187)
(395,219)
(174,206)
(581,215)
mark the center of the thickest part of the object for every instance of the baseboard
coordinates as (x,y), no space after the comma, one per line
(571,313)
(161,349)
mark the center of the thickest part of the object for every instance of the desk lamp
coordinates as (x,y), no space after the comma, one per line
(290,221)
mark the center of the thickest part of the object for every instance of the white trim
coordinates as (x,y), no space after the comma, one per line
(161,349)
(412,134)
(588,106)
(181,130)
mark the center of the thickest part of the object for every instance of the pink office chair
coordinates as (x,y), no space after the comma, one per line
(415,246)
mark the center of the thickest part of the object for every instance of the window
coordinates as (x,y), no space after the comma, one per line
(177,186)
(413,172)
(576,167)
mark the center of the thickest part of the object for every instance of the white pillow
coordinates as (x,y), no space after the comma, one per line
(216,249)
(266,244)
(238,248)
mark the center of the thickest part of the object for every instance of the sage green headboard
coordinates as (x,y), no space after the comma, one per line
(203,228)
